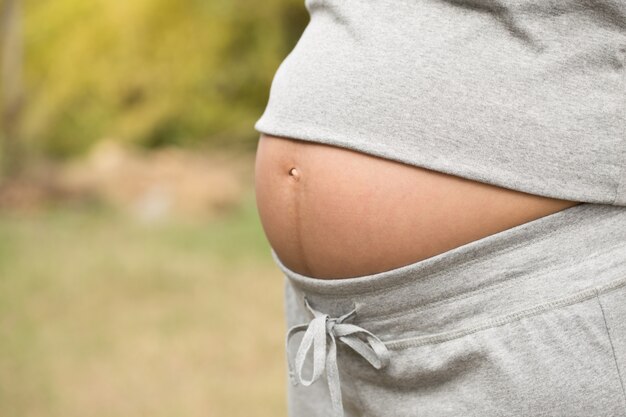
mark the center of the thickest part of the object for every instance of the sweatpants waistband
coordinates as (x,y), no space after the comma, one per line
(554,260)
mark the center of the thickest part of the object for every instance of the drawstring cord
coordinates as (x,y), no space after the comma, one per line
(315,336)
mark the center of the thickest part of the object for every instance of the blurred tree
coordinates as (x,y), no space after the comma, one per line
(152,72)
(10,86)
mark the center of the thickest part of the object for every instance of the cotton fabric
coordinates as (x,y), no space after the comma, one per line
(523,94)
(529,321)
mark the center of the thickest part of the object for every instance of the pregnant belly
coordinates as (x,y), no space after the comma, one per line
(331,212)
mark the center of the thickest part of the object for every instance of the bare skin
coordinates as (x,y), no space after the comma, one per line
(330,212)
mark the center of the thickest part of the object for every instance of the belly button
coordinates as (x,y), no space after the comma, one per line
(293,172)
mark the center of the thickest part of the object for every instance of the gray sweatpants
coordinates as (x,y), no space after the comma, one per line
(530,321)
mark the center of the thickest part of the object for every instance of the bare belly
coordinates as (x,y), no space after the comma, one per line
(331,212)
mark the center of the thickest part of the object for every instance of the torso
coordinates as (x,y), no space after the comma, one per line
(331,212)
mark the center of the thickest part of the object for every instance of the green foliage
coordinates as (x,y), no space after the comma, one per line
(151,72)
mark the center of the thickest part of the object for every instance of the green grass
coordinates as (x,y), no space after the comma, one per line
(103,316)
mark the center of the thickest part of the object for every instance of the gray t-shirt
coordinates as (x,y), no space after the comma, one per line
(524,94)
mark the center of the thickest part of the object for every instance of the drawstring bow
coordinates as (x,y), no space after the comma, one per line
(317,331)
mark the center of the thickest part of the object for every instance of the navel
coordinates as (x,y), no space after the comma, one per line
(294,173)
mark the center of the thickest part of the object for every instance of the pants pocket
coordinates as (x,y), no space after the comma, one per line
(560,362)
(613,307)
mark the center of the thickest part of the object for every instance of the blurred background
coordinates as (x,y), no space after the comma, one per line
(135,278)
